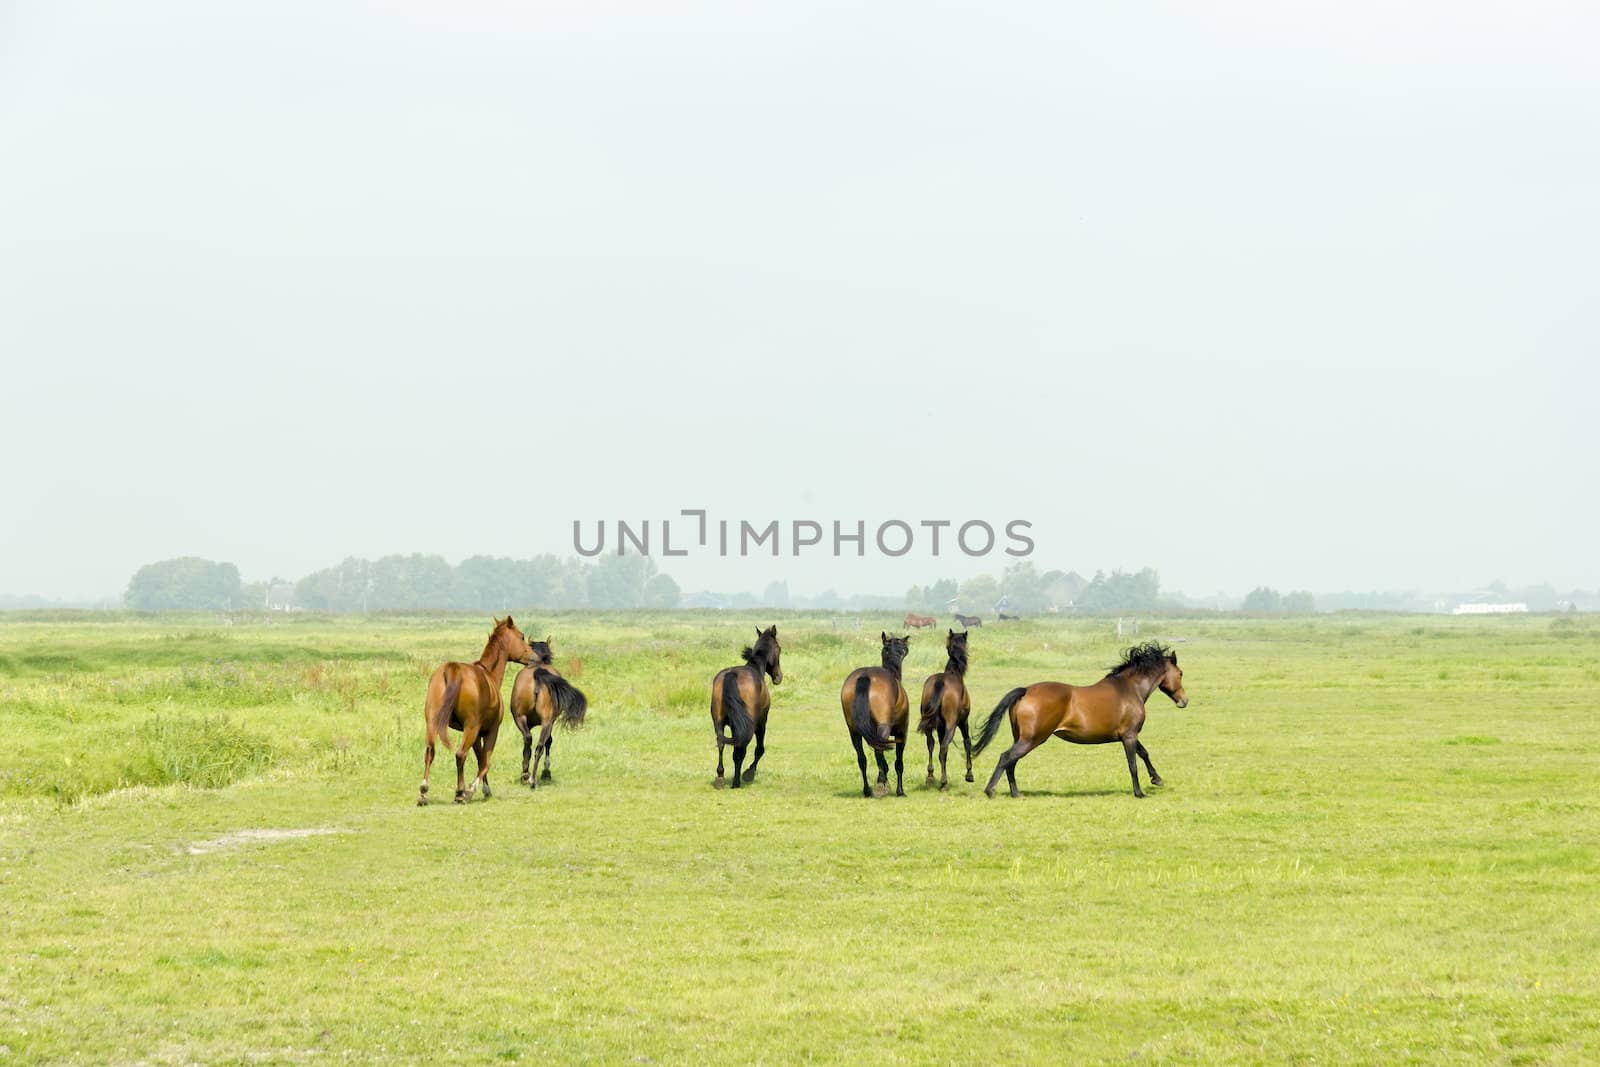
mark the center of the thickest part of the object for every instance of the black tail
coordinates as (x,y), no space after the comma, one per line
(861,716)
(570,703)
(735,716)
(447,708)
(992,724)
(931,710)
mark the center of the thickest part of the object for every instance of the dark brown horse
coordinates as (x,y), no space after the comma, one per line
(919,622)
(876,711)
(740,701)
(946,706)
(969,621)
(541,694)
(466,697)
(1112,709)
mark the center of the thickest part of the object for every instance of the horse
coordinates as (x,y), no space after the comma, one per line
(740,701)
(919,622)
(541,691)
(876,711)
(1111,709)
(1010,618)
(466,696)
(969,621)
(945,707)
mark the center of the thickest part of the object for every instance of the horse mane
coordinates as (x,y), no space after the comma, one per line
(895,650)
(957,661)
(760,656)
(1147,658)
(494,636)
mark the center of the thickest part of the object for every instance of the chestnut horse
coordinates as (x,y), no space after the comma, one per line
(740,701)
(466,697)
(919,622)
(541,693)
(1112,709)
(946,706)
(876,711)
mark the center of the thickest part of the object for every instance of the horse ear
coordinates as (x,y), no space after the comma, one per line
(548,639)
(882,634)
(952,633)
(1173,656)
(758,631)
(509,622)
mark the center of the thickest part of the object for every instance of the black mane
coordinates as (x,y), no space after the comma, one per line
(957,653)
(1148,658)
(759,656)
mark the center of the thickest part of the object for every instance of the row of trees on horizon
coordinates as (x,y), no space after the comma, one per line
(420,582)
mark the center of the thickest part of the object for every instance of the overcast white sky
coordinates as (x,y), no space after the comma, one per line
(1253,292)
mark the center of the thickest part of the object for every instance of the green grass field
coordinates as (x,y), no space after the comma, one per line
(1379,842)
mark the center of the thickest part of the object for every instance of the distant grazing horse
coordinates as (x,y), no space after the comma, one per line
(876,711)
(540,693)
(1010,618)
(740,701)
(919,622)
(466,697)
(1112,709)
(945,707)
(969,621)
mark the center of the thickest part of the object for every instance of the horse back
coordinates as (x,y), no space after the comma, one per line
(886,696)
(752,689)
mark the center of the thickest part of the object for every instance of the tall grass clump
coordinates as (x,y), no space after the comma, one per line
(207,753)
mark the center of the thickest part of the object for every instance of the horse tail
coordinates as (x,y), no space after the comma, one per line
(570,703)
(861,716)
(992,724)
(447,708)
(932,709)
(735,716)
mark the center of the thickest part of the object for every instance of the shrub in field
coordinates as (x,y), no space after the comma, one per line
(205,752)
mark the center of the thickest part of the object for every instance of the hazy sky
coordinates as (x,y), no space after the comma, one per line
(1253,292)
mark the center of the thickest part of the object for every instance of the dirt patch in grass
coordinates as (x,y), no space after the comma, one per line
(240,838)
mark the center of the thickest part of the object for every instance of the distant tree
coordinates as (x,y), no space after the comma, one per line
(1299,602)
(1121,591)
(1023,587)
(618,582)
(186,584)
(414,582)
(661,593)
(940,593)
(979,594)
(1262,600)
(776,595)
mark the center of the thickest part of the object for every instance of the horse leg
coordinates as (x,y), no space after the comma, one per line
(861,760)
(469,737)
(527,748)
(540,750)
(944,757)
(1155,779)
(720,743)
(761,750)
(881,787)
(478,750)
(427,767)
(738,762)
(549,743)
(1007,765)
(1131,748)
(930,757)
(966,741)
(899,766)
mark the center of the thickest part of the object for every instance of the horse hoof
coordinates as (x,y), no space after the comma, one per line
(719,783)
(944,786)
(462,798)
(880,790)
(1139,795)
(989,793)
(749,776)
(1157,781)
(545,777)
(969,777)
(929,781)
(422,802)
(899,792)
(526,778)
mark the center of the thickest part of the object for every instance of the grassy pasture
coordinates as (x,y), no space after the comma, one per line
(1379,843)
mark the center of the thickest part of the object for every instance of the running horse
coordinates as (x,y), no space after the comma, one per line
(919,622)
(876,711)
(541,694)
(1111,709)
(946,706)
(740,701)
(466,697)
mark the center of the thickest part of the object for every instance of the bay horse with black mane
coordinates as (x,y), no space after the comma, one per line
(969,621)
(876,711)
(946,706)
(740,701)
(1111,709)
(541,693)
(466,697)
